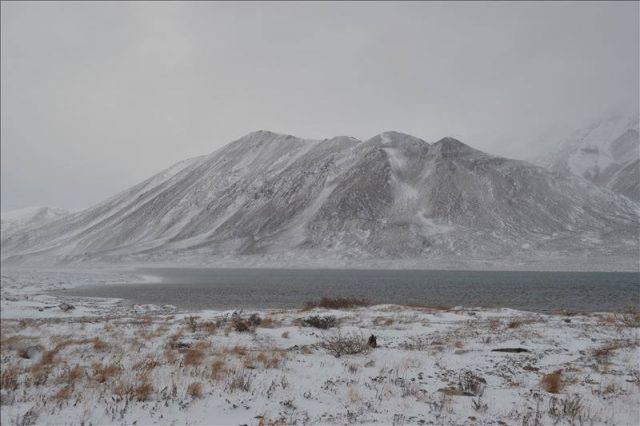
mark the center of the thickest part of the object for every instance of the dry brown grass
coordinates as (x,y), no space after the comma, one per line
(604,353)
(494,324)
(237,350)
(269,360)
(103,373)
(63,394)
(194,390)
(239,381)
(147,364)
(552,382)
(336,303)
(12,343)
(142,392)
(40,373)
(202,345)
(518,322)
(192,357)
(99,344)
(170,356)
(9,378)
(48,357)
(382,321)
(217,369)
(630,317)
(71,375)
(269,322)
(210,327)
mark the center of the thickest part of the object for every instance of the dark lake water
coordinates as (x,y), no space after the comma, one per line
(195,289)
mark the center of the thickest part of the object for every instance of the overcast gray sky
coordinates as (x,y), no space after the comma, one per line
(99,96)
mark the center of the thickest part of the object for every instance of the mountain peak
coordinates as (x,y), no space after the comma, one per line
(263,134)
(451,145)
(398,139)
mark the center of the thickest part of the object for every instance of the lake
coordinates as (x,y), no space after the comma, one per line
(196,289)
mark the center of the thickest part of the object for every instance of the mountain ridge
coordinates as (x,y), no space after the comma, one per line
(605,152)
(393,196)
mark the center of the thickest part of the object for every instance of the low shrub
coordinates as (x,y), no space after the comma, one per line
(552,382)
(242,325)
(471,384)
(217,369)
(570,408)
(317,321)
(239,381)
(194,390)
(9,378)
(192,323)
(102,373)
(192,357)
(143,391)
(351,344)
(336,303)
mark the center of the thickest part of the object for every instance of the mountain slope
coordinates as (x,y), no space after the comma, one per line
(14,220)
(607,153)
(393,196)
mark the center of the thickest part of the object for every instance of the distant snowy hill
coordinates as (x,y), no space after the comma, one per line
(393,196)
(607,153)
(14,220)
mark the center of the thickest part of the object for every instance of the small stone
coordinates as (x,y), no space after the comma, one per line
(66,306)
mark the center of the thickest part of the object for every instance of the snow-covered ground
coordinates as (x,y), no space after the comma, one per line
(106,362)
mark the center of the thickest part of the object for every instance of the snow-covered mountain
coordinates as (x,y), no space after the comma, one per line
(14,220)
(393,196)
(607,153)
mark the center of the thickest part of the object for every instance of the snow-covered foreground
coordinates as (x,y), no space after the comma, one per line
(107,363)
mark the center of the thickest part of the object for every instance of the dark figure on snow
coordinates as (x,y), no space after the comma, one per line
(372,341)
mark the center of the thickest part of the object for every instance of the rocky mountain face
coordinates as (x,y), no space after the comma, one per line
(393,196)
(607,153)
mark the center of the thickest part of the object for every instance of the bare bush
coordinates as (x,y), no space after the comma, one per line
(194,390)
(142,392)
(336,303)
(351,344)
(570,408)
(416,343)
(192,323)
(630,317)
(239,324)
(28,419)
(478,405)
(240,380)
(317,321)
(471,384)
(254,320)
(604,353)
